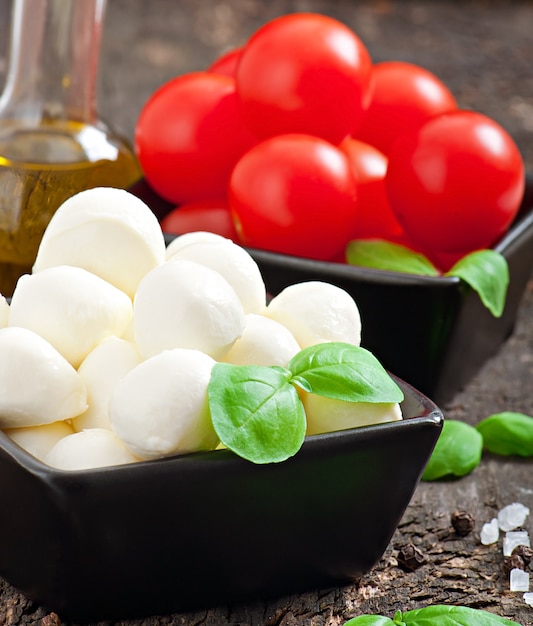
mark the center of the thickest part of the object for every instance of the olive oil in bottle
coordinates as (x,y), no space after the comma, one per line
(52,144)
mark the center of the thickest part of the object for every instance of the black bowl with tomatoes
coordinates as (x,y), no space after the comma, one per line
(298,144)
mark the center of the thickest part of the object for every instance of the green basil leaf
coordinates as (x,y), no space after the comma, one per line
(435,615)
(457,452)
(487,272)
(507,433)
(385,255)
(344,372)
(441,615)
(370,620)
(256,412)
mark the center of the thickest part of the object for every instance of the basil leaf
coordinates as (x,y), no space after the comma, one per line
(344,372)
(256,412)
(441,615)
(385,255)
(457,452)
(436,615)
(487,272)
(370,620)
(507,434)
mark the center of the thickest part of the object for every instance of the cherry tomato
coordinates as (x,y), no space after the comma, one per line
(303,73)
(212,216)
(375,218)
(226,64)
(403,97)
(444,261)
(189,136)
(294,194)
(456,183)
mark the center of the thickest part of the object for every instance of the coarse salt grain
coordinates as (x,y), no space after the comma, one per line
(528,598)
(512,516)
(514,539)
(519,580)
(490,532)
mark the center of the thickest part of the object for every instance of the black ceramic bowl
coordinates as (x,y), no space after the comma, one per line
(209,528)
(431,331)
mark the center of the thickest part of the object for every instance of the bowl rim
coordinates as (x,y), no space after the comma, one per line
(427,413)
(522,223)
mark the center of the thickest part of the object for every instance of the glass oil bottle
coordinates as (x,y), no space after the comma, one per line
(52,142)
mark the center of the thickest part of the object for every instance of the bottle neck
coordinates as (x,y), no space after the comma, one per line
(53,66)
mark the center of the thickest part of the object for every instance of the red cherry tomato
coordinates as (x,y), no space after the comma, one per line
(444,261)
(226,64)
(303,73)
(211,216)
(294,194)
(189,136)
(403,97)
(375,218)
(456,183)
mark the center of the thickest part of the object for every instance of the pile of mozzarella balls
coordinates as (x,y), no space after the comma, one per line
(107,347)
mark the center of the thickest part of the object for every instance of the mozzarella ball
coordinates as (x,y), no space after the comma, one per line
(160,407)
(317,312)
(37,384)
(89,449)
(198,236)
(101,369)
(106,231)
(328,414)
(236,266)
(183,304)
(38,440)
(71,308)
(263,342)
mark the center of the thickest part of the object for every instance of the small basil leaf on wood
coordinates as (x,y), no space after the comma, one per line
(507,434)
(370,620)
(256,412)
(487,272)
(442,615)
(435,615)
(344,372)
(457,452)
(385,255)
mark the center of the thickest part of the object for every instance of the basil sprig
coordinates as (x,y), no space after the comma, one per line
(256,410)
(436,615)
(485,271)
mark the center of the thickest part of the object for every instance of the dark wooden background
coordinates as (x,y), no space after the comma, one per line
(483,50)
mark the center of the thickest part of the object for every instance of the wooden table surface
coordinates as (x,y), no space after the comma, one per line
(484,52)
